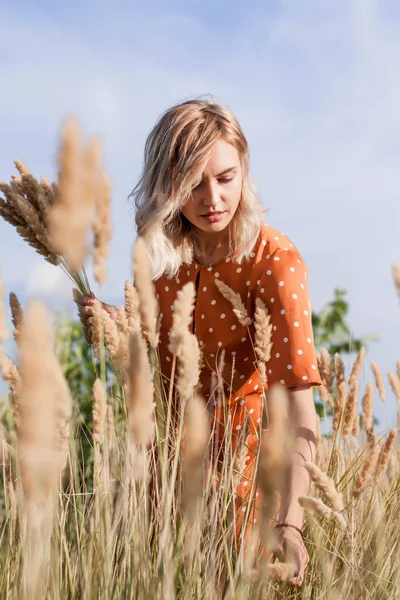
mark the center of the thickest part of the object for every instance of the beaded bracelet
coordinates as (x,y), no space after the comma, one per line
(289,525)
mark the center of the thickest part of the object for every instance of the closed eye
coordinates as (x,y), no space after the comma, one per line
(225,179)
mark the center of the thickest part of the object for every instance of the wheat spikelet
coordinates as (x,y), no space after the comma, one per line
(325,396)
(182,316)
(10,373)
(132,306)
(317,506)
(325,369)
(99,411)
(355,430)
(22,168)
(102,228)
(340,404)
(148,305)
(378,381)
(355,372)
(122,321)
(263,334)
(139,392)
(71,215)
(3,324)
(234,298)
(197,436)
(339,370)
(43,399)
(240,464)
(29,236)
(365,473)
(17,315)
(110,428)
(367,406)
(396,277)
(394,384)
(351,409)
(326,485)
(385,453)
(189,358)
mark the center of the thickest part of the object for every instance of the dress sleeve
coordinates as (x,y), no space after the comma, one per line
(283,288)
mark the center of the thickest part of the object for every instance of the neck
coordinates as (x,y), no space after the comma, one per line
(209,246)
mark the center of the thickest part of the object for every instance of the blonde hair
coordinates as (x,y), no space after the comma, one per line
(176,153)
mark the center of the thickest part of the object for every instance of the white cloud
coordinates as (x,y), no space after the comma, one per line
(49,283)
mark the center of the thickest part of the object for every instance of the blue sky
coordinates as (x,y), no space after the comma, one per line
(314,84)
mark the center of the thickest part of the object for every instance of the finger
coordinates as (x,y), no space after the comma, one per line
(297,581)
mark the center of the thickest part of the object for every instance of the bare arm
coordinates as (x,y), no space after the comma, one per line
(302,415)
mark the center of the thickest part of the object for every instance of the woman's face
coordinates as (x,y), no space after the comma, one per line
(215,199)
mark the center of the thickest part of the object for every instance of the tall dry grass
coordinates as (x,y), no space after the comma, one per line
(149,512)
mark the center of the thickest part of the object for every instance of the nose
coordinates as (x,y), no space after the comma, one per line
(210,196)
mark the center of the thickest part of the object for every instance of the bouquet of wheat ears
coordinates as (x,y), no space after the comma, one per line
(56,218)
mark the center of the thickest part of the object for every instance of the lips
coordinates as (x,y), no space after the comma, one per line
(213,213)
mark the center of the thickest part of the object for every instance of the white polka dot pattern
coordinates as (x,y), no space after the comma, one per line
(276,273)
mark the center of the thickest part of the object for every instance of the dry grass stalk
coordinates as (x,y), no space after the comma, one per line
(17,315)
(71,216)
(394,384)
(139,393)
(339,370)
(196,442)
(182,316)
(365,473)
(43,401)
(102,228)
(99,411)
(351,409)
(358,363)
(378,381)
(148,305)
(234,298)
(263,336)
(326,485)
(385,453)
(398,368)
(325,369)
(367,403)
(340,404)
(277,572)
(317,506)
(396,277)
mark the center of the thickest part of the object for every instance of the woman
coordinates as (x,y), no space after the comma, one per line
(200,216)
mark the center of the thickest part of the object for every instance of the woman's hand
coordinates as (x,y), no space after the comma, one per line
(85,307)
(290,548)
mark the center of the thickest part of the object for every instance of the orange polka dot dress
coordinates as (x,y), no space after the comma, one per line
(277,274)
